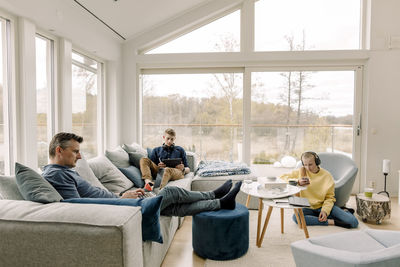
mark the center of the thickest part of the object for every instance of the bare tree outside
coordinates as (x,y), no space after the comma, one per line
(227,84)
(295,85)
(84,118)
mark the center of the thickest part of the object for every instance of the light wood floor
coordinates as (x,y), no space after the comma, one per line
(180,253)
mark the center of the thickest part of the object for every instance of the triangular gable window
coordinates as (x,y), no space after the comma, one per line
(222,35)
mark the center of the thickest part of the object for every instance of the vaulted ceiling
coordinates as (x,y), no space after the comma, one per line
(101,26)
(133,17)
(128,18)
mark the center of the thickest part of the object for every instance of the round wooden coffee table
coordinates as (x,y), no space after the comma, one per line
(375,208)
(266,198)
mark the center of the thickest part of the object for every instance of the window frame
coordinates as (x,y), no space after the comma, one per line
(251,60)
(357,104)
(9,94)
(51,73)
(364,27)
(100,109)
(191,27)
(161,35)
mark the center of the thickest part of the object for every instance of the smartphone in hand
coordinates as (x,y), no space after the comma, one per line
(305,181)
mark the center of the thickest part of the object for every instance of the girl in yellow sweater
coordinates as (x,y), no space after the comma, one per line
(320,193)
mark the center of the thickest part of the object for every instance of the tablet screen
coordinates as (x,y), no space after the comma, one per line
(172,162)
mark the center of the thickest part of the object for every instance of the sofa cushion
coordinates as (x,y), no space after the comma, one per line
(150,208)
(354,241)
(9,188)
(191,160)
(149,151)
(112,178)
(67,234)
(134,158)
(118,157)
(133,174)
(134,147)
(33,186)
(84,170)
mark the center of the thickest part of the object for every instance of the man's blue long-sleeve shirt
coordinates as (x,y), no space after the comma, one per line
(160,153)
(69,184)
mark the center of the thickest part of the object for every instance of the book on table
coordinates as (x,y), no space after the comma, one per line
(299,201)
(281,200)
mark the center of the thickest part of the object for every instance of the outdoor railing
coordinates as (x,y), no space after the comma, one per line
(335,134)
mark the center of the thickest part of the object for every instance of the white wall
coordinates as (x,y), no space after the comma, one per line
(26,113)
(112,100)
(382,90)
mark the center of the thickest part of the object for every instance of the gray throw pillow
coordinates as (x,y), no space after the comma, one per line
(133,174)
(84,171)
(112,178)
(9,188)
(118,157)
(134,158)
(33,186)
(134,147)
(191,160)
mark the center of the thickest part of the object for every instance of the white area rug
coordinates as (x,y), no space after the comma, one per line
(275,249)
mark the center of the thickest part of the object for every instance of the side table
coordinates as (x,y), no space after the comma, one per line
(266,198)
(375,208)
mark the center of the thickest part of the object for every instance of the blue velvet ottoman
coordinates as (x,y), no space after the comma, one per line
(222,234)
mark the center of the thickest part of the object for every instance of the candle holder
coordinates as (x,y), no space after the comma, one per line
(385,170)
(384,191)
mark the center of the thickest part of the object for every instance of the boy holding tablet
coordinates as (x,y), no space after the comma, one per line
(155,162)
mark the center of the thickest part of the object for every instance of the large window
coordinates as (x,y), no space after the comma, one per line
(204,109)
(222,35)
(262,107)
(5,151)
(86,104)
(295,111)
(44,91)
(285,25)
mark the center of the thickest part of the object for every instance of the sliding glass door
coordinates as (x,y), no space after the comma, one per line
(300,110)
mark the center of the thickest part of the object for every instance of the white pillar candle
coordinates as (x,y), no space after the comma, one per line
(386,166)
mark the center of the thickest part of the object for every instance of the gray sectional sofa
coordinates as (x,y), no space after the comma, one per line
(70,234)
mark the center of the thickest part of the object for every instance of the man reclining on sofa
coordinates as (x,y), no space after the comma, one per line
(150,166)
(64,153)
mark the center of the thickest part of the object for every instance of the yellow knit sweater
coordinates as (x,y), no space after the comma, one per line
(321,190)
